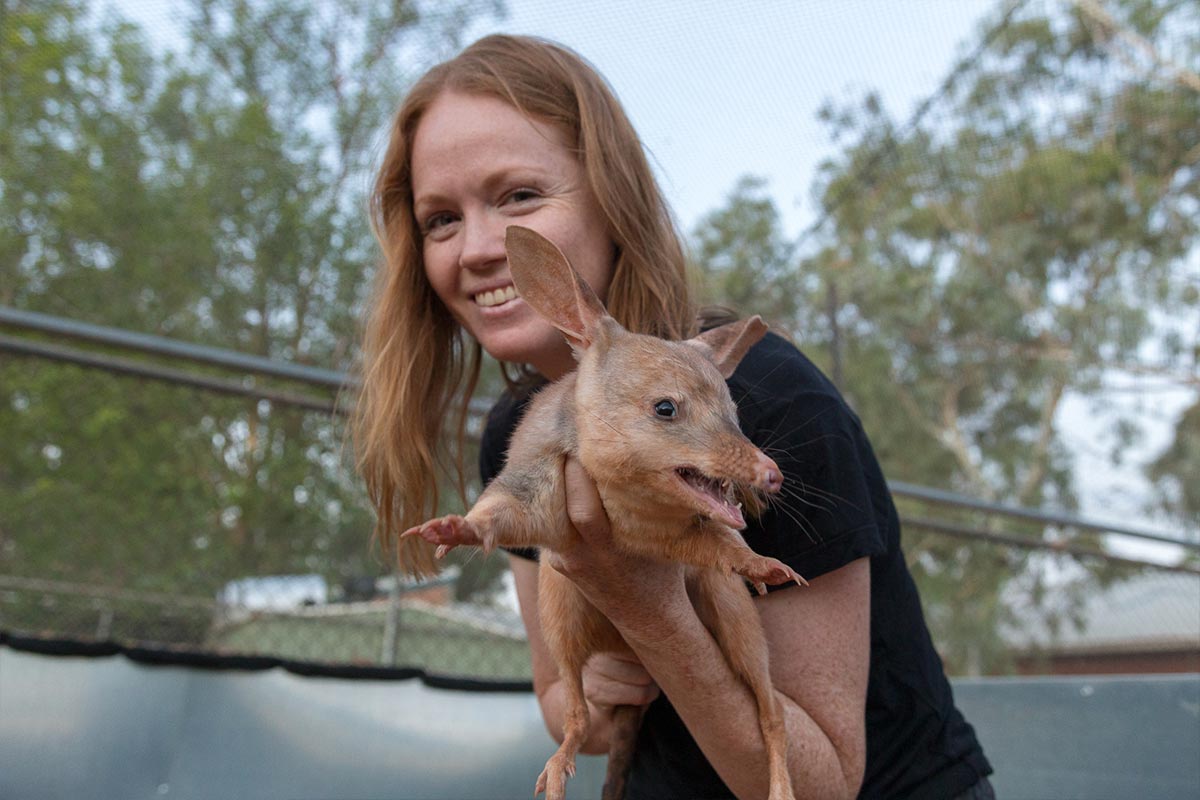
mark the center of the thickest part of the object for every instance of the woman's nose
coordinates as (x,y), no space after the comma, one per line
(483,242)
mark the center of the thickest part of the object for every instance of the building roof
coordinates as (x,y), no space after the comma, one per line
(1150,612)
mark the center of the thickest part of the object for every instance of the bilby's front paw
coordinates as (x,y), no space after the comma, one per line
(761,570)
(449,532)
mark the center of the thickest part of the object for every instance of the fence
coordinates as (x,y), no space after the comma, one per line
(175,509)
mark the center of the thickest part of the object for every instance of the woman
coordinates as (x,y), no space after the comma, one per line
(521,131)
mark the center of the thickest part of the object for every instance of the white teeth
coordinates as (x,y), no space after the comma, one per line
(495,298)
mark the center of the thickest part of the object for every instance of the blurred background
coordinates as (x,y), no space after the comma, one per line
(979,217)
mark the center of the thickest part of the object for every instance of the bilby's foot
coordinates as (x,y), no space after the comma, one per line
(449,532)
(553,780)
(761,571)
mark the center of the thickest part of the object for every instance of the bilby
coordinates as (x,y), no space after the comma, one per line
(653,424)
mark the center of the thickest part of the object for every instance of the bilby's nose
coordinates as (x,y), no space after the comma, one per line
(767,475)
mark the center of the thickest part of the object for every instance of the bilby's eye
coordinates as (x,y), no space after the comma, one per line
(665,409)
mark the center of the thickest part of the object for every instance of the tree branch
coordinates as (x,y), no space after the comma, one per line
(952,438)
(1097,13)
(1037,472)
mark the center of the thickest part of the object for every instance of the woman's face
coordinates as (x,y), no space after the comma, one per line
(478,166)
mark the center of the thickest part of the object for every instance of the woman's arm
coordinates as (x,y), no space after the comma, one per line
(609,679)
(819,641)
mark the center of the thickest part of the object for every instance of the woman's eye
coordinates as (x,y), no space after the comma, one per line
(665,409)
(523,194)
(435,222)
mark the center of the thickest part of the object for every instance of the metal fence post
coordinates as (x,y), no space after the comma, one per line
(391,626)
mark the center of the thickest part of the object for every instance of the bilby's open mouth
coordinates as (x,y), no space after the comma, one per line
(716,496)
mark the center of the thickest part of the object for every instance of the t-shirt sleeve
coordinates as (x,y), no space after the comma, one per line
(828,512)
(832,509)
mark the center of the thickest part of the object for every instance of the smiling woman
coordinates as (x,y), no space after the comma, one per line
(521,132)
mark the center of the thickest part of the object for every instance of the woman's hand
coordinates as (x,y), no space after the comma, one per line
(627,589)
(617,679)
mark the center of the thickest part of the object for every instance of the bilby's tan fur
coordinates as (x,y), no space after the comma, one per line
(603,415)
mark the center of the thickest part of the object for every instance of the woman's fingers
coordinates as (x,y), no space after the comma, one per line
(618,679)
(584,508)
(586,512)
(625,587)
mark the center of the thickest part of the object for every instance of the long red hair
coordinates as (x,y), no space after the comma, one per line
(417,361)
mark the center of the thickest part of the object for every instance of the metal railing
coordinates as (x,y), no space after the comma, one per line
(340,381)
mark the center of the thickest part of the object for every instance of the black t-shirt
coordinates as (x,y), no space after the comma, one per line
(918,744)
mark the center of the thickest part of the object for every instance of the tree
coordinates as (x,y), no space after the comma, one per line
(745,260)
(1023,237)
(218,199)
(1175,471)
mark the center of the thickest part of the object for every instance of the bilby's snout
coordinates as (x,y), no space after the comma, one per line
(767,475)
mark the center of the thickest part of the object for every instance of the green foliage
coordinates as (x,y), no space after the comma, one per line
(743,258)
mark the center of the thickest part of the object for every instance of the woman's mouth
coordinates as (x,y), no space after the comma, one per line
(495,297)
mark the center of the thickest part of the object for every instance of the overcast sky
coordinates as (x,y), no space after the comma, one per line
(722,88)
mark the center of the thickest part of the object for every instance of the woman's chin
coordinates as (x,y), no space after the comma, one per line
(535,342)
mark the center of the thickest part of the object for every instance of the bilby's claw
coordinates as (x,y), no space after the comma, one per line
(447,533)
(762,570)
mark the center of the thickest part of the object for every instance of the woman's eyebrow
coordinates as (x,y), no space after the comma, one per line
(424,201)
(510,173)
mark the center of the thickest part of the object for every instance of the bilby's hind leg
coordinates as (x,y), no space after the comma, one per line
(573,629)
(553,780)
(726,609)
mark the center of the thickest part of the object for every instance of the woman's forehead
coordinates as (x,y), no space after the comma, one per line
(473,139)
(459,120)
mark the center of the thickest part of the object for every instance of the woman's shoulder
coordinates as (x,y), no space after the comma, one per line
(498,427)
(775,373)
(834,508)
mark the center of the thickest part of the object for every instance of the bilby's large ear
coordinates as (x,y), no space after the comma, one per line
(727,344)
(547,282)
